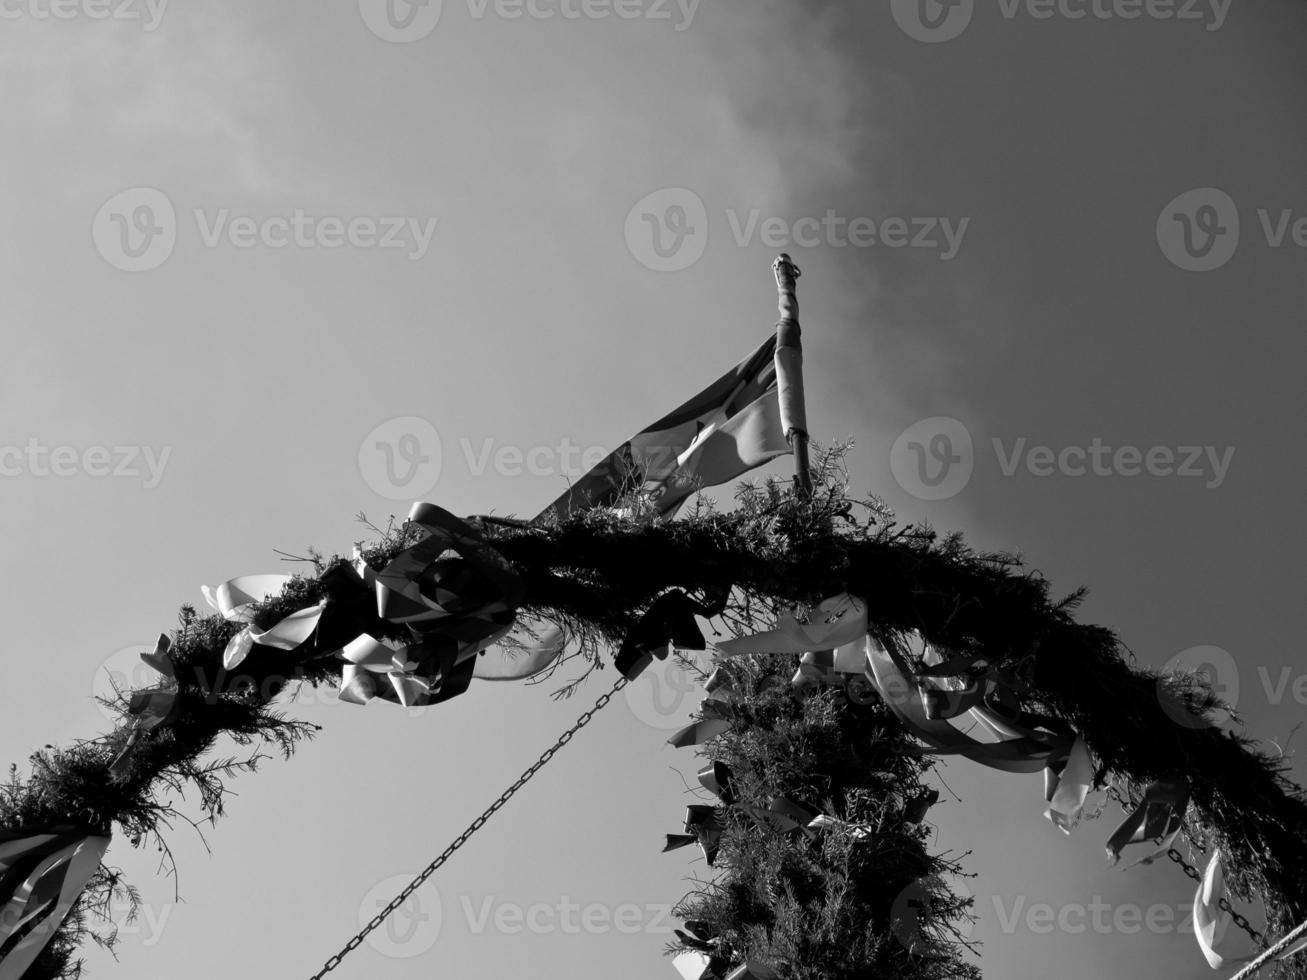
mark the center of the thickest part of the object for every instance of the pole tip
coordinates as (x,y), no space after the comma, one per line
(786,271)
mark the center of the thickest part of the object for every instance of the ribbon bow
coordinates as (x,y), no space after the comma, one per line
(455,594)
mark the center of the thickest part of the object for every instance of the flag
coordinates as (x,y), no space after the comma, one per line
(729,428)
(41,875)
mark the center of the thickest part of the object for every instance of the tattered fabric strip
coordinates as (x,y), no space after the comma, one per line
(893,679)
(1159,815)
(44,897)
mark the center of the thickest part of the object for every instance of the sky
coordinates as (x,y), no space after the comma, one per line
(268,266)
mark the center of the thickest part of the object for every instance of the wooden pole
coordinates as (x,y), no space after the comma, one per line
(789,370)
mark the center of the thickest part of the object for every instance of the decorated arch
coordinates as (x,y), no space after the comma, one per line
(858,650)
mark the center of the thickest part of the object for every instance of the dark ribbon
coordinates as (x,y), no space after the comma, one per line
(452,590)
(716,718)
(1159,814)
(718,779)
(152,706)
(702,827)
(668,622)
(915,811)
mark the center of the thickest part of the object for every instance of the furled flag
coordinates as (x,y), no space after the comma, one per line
(41,875)
(729,428)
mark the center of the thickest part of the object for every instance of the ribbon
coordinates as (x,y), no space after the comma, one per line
(702,826)
(1067,784)
(1021,748)
(236,600)
(1159,815)
(1210,921)
(152,706)
(836,621)
(669,622)
(41,876)
(718,779)
(783,816)
(433,669)
(917,807)
(860,831)
(468,595)
(512,664)
(721,685)
(455,593)
(717,719)
(700,935)
(692,964)
(844,667)
(749,970)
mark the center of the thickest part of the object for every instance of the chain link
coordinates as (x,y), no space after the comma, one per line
(1223,903)
(472,828)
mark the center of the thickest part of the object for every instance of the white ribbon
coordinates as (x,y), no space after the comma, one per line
(692,964)
(1210,921)
(1066,791)
(839,620)
(367,657)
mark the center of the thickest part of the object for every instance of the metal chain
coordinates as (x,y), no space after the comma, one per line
(473,827)
(1223,903)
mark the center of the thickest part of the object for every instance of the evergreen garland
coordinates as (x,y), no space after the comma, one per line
(817,908)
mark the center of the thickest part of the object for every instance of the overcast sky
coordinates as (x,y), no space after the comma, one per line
(248,246)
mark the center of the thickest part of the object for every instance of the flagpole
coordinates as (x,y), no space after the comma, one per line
(789,370)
